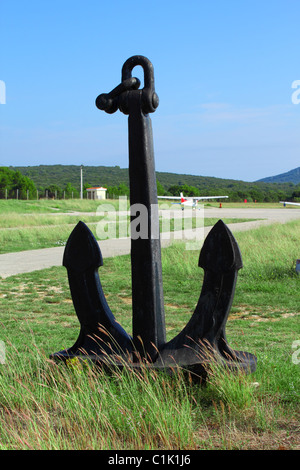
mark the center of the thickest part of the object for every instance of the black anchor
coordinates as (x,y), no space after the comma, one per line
(101,338)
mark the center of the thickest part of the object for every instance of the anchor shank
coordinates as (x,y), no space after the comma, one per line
(146,271)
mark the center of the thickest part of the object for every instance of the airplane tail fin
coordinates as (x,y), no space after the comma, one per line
(182,198)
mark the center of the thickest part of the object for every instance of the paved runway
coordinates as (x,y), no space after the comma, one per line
(28,261)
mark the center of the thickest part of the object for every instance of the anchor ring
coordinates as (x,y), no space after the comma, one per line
(150,100)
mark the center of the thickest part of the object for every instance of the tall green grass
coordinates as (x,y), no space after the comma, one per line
(29,232)
(49,406)
(10,206)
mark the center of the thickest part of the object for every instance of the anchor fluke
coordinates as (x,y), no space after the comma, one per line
(220,252)
(81,251)
(100,333)
(203,339)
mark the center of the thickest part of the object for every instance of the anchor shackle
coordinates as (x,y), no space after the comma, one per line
(118,98)
(150,99)
(110,102)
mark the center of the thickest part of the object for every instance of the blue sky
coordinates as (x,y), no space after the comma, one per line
(223,73)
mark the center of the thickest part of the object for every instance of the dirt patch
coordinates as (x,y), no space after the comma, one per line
(260,314)
(25,289)
(174,306)
(285,437)
(126,300)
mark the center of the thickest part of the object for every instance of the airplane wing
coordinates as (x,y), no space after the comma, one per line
(208,197)
(191,197)
(292,203)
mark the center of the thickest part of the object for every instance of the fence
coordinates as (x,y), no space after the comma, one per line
(31,195)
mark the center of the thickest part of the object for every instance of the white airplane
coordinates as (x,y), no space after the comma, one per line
(190,201)
(292,203)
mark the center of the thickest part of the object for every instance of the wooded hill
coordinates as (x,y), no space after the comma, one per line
(66,178)
(292,176)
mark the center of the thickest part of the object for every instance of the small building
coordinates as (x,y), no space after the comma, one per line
(96,193)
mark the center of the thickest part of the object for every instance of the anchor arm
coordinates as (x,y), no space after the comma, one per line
(204,334)
(99,331)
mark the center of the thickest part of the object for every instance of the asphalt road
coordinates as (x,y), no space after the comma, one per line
(28,261)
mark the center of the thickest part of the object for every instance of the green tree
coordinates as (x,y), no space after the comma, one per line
(160,189)
(12,181)
(187,190)
(115,191)
(54,191)
(70,191)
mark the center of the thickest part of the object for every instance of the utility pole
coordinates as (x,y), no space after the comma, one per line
(81,193)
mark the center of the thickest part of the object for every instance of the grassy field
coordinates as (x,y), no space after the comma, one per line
(87,205)
(46,406)
(45,232)
(29,225)
(12,206)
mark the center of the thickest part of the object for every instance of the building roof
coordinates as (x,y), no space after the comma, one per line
(96,187)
